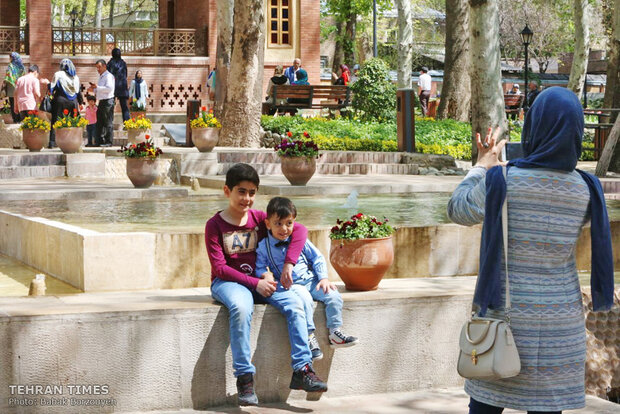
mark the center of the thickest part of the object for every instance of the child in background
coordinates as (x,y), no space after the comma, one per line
(309,274)
(91,117)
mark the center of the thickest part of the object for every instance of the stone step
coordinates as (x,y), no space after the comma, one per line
(30,159)
(257,157)
(32,171)
(332,168)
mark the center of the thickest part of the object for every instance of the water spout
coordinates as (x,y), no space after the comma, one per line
(351,200)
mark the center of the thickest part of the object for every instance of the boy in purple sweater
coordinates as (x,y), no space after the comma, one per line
(231,237)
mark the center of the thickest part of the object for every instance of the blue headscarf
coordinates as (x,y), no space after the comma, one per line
(66,80)
(551,138)
(67,66)
(15,69)
(302,77)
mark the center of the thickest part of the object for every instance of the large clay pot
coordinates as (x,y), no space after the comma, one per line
(298,170)
(135,136)
(142,172)
(362,263)
(69,140)
(35,139)
(205,138)
(7,118)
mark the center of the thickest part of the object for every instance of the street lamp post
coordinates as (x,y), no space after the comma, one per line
(73,15)
(374,28)
(526,38)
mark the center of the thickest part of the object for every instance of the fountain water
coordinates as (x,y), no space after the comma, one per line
(351,202)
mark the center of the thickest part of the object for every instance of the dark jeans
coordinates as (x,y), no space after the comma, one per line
(124,108)
(59,104)
(16,117)
(91,129)
(424,97)
(476,407)
(105,122)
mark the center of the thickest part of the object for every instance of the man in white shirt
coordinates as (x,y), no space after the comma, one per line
(104,90)
(424,89)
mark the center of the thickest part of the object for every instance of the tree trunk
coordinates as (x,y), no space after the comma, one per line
(349,46)
(456,91)
(608,151)
(224,51)
(83,13)
(338,48)
(487,109)
(405,43)
(241,118)
(581,13)
(61,17)
(111,14)
(612,88)
(98,9)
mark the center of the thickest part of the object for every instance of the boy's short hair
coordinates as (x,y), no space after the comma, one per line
(281,207)
(33,68)
(91,98)
(241,172)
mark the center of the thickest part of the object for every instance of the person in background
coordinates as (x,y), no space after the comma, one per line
(302,79)
(138,91)
(211,84)
(343,77)
(424,89)
(66,95)
(91,117)
(278,78)
(291,71)
(104,90)
(118,68)
(14,71)
(356,69)
(514,91)
(28,92)
(532,93)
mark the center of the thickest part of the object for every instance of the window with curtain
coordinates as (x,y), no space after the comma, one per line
(279,22)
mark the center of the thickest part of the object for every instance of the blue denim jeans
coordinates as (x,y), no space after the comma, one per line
(306,289)
(239,301)
(476,407)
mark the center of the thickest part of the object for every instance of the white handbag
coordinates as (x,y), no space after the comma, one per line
(487,348)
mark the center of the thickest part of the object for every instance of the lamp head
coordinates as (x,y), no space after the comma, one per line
(73,14)
(526,35)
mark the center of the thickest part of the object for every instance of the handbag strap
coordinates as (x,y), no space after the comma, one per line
(505,236)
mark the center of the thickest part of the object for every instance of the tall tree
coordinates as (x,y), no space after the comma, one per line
(612,88)
(225,10)
(98,12)
(487,109)
(405,43)
(111,14)
(456,91)
(579,68)
(241,113)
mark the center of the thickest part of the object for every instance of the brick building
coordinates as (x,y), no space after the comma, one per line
(175,58)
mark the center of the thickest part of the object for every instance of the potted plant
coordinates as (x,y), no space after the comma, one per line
(136,109)
(141,162)
(137,129)
(361,250)
(35,131)
(298,158)
(205,130)
(70,131)
(5,110)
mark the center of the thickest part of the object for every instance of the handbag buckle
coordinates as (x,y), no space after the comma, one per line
(474,357)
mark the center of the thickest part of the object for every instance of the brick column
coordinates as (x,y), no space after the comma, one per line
(9,12)
(310,39)
(39,17)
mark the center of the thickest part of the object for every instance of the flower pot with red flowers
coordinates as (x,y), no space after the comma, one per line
(35,132)
(141,159)
(361,251)
(205,130)
(5,111)
(138,129)
(298,158)
(136,109)
(70,131)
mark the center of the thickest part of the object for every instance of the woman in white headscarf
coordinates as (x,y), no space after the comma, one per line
(66,95)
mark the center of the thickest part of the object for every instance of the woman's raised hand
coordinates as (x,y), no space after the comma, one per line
(490,149)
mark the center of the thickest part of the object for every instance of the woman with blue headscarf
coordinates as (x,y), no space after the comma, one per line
(117,67)
(14,71)
(549,201)
(66,95)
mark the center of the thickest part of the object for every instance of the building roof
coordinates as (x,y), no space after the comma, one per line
(423,13)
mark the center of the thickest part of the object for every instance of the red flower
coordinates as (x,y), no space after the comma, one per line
(306,134)
(357,216)
(335,229)
(147,136)
(30,112)
(289,134)
(66,112)
(210,111)
(204,108)
(74,111)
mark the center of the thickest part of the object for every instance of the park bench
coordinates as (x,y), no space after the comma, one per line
(303,97)
(513,103)
(602,128)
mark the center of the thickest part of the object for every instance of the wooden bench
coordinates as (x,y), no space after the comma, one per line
(295,97)
(513,103)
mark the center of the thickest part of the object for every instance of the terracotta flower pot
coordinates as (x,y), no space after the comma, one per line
(69,140)
(362,263)
(35,139)
(142,172)
(205,138)
(135,136)
(298,170)
(137,114)
(7,118)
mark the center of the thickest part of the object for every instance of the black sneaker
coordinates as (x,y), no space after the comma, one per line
(338,339)
(245,390)
(315,348)
(305,379)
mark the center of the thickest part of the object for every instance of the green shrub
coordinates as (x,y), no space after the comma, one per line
(374,95)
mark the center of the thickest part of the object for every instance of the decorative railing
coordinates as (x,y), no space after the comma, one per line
(131,41)
(13,39)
